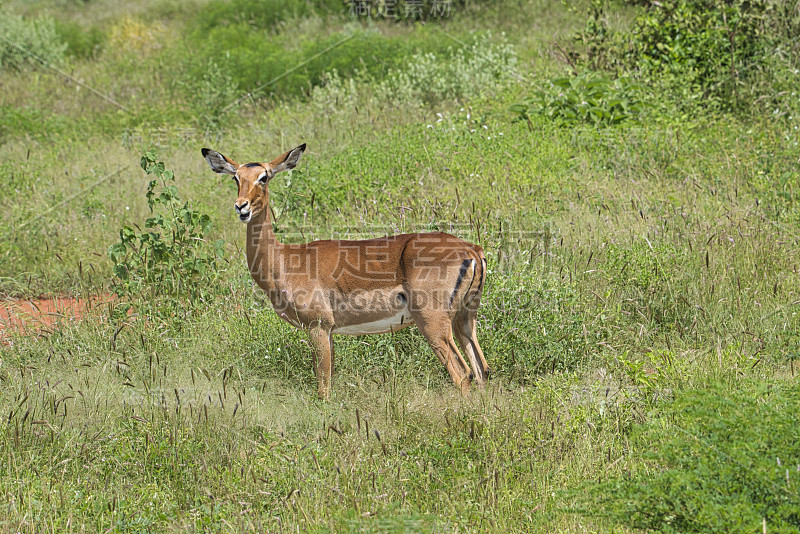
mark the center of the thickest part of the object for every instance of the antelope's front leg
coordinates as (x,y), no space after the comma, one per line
(322,344)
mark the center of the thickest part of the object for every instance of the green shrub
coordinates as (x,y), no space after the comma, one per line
(254,60)
(710,45)
(172,257)
(718,460)
(261,14)
(23,40)
(367,52)
(213,96)
(468,72)
(425,79)
(335,95)
(723,55)
(81,42)
(587,97)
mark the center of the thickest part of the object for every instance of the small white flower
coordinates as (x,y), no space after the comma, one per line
(127,208)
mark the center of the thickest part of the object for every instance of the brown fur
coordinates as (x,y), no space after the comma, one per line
(335,285)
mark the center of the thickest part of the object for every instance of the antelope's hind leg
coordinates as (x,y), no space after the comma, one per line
(465,330)
(466,318)
(438,332)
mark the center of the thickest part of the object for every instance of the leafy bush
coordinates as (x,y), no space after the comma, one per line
(81,42)
(710,45)
(469,72)
(213,96)
(261,14)
(335,95)
(425,79)
(719,460)
(173,258)
(587,97)
(722,54)
(20,38)
(253,59)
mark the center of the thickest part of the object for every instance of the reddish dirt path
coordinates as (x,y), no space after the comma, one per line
(32,315)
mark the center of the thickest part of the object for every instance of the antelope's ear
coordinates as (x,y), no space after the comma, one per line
(219,163)
(287,161)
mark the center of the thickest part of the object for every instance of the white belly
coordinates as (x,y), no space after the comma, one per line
(388,324)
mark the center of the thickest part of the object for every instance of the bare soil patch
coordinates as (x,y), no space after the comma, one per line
(30,316)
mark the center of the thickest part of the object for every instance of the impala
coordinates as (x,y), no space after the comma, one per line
(373,286)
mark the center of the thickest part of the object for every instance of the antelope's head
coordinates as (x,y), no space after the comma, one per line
(252,178)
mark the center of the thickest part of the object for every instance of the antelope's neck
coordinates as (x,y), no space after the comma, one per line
(263,250)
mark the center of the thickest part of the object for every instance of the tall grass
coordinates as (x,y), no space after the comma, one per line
(642,280)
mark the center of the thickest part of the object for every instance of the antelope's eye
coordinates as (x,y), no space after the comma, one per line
(263,178)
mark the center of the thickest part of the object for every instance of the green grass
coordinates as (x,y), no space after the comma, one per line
(643,280)
(171,437)
(726,460)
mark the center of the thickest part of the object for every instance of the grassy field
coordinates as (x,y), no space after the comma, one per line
(640,314)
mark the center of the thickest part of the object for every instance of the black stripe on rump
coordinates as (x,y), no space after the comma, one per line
(461,274)
(483,274)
